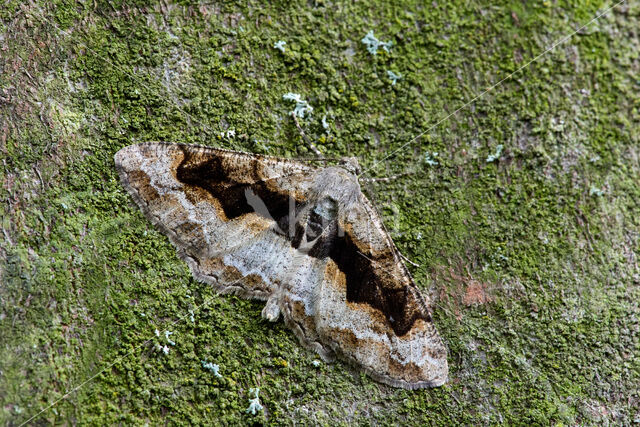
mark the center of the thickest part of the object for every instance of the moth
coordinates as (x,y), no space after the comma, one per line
(303,238)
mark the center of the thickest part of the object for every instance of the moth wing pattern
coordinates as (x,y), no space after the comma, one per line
(222,240)
(378,319)
(305,239)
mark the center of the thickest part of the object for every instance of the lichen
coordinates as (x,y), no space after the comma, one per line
(430,158)
(373,43)
(302,107)
(280,45)
(254,404)
(393,77)
(496,155)
(214,368)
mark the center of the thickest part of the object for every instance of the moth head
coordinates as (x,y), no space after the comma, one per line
(351,164)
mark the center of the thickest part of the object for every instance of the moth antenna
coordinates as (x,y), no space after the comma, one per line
(304,136)
(323,160)
(386,179)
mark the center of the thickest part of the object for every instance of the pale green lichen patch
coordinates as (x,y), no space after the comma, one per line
(530,259)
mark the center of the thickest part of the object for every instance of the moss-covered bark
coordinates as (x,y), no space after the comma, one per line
(531,258)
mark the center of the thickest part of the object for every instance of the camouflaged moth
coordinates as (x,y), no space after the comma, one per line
(304,239)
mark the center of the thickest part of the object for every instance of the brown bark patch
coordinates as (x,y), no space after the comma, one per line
(475,294)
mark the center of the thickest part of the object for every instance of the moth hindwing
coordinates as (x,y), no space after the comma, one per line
(303,238)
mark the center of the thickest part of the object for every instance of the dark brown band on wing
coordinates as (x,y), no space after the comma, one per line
(372,282)
(209,173)
(369,281)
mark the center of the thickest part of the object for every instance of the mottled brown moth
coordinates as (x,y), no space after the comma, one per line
(304,239)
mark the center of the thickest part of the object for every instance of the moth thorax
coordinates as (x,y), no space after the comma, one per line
(326,208)
(351,164)
(338,184)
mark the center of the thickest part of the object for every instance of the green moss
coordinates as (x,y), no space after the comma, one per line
(87,281)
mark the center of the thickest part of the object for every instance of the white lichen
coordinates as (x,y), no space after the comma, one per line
(373,43)
(325,125)
(157,333)
(280,45)
(316,363)
(595,191)
(254,404)
(495,156)
(191,316)
(429,158)
(165,349)
(231,133)
(215,369)
(302,107)
(394,77)
(166,335)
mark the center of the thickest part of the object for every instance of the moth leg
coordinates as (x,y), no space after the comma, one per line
(409,261)
(271,310)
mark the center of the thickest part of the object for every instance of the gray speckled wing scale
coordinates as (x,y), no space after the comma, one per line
(304,239)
